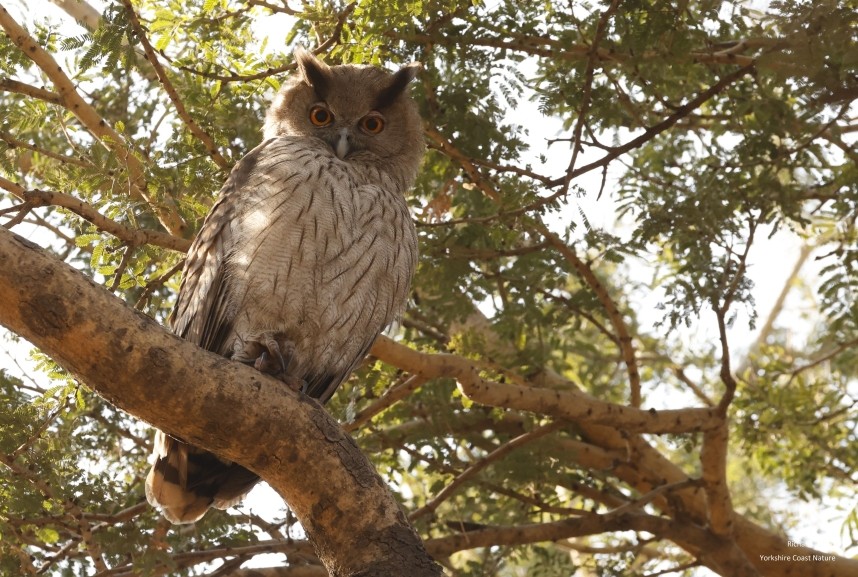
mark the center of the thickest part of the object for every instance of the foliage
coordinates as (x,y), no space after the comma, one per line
(711,126)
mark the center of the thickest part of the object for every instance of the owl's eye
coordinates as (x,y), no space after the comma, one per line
(320,116)
(372,123)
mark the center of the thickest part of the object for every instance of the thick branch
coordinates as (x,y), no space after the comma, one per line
(570,404)
(240,414)
(589,525)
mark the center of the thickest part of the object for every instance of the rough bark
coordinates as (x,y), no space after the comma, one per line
(228,408)
(642,467)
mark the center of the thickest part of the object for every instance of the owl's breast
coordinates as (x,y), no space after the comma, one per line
(325,257)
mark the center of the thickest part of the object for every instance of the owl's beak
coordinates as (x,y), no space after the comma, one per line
(341,148)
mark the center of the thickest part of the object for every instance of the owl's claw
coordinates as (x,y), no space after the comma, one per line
(274,361)
(268,361)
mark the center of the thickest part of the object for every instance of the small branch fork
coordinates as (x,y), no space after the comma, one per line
(592,59)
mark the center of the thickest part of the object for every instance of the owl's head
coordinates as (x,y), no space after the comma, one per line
(363,113)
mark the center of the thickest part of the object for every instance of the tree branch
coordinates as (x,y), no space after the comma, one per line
(571,404)
(478,466)
(201,135)
(164,209)
(9,85)
(133,236)
(239,413)
(16,143)
(656,129)
(624,338)
(588,86)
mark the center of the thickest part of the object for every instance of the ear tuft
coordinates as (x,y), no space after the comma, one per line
(314,72)
(400,79)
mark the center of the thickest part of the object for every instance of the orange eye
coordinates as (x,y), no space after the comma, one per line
(373,123)
(320,116)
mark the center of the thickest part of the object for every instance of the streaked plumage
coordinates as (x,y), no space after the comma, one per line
(307,255)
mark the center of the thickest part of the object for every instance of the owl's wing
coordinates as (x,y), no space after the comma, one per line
(323,386)
(202,313)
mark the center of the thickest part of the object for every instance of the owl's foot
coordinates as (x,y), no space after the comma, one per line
(275,358)
(271,353)
(274,361)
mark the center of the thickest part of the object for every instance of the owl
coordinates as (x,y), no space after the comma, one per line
(304,259)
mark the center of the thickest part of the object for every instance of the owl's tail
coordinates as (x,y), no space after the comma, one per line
(185,481)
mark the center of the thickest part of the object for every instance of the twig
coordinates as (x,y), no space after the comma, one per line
(492,457)
(466,163)
(824,358)
(390,397)
(559,182)
(656,129)
(9,85)
(588,86)
(677,570)
(333,39)
(22,211)
(643,500)
(190,558)
(721,309)
(624,338)
(152,57)
(37,434)
(92,546)
(698,392)
(158,283)
(284,8)
(16,143)
(777,307)
(123,264)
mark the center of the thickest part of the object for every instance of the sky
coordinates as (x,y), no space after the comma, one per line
(770,264)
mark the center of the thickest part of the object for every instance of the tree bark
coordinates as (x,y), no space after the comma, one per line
(231,409)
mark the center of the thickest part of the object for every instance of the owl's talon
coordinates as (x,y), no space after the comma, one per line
(272,360)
